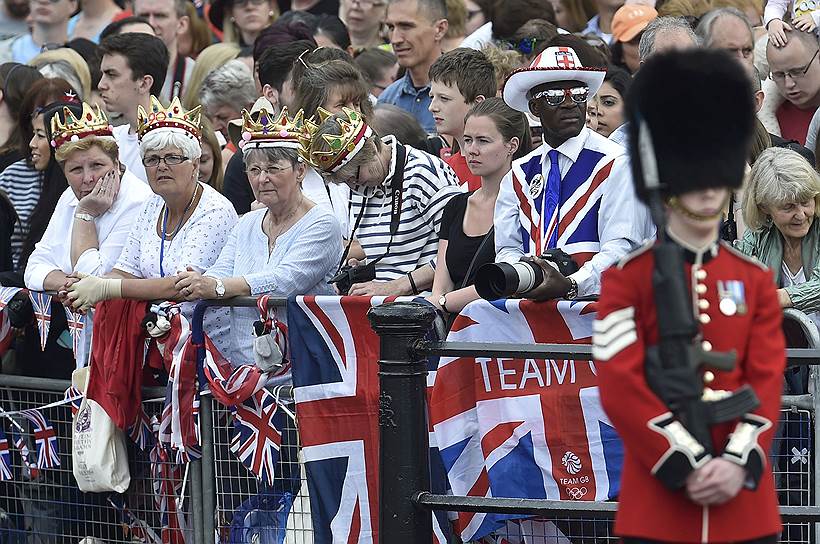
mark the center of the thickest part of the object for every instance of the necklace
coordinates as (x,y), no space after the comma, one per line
(165,213)
(272,239)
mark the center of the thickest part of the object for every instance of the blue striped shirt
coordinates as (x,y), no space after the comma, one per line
(23,185)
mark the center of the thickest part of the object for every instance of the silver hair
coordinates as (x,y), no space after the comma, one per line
(778,176)
(231,84)
(704,28)
(62,69)
(161,138)
(661,25)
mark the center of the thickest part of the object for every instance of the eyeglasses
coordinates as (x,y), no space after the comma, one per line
(152,161)
(556,97)
(797,73)
(255,172)
(243,3)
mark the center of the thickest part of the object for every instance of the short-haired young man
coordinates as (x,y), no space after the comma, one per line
(133,68)
(169,20)
(49,27)
(459,79)
(416,30)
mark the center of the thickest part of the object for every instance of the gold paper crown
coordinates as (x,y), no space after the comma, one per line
(342,147)
(269,131)
(92,122)
(175,116)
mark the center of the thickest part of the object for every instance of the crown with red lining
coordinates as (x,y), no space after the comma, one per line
(71,128)
(174,117)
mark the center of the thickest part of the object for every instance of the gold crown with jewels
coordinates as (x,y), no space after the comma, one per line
(261,128)
(173,117)
(92,122)
(343,147)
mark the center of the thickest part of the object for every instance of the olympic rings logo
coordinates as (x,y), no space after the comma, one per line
(576,493)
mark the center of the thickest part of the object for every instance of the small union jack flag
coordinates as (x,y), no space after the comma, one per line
(141,432)
(76,324)
(48,454)
(5,457)
(6,294)
(41,303)
(25,455)
(256,436)
(75,398)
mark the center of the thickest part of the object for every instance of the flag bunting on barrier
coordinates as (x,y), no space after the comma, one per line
(41,302)
(76,324)
(45,439)
(168,488)
(5,457)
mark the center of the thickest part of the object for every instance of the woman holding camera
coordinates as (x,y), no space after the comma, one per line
(289,247)
(494,135)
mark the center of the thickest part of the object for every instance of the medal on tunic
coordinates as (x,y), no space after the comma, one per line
(732,296)
(536,185)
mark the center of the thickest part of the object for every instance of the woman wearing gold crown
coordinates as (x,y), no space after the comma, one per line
(91,221)
(399,246)
(184,226)
(289,247)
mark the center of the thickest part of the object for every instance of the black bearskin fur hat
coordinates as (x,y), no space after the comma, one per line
(699,107)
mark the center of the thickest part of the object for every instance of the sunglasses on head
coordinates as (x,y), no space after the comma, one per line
(556,97)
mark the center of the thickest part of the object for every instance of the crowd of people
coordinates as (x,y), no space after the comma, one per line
(243,147)
(187,150)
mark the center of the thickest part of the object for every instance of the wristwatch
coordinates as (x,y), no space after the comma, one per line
(84,216)
(442,301)
(573,289)
(220,288)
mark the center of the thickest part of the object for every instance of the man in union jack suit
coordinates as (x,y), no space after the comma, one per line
(574,192)
(686,480)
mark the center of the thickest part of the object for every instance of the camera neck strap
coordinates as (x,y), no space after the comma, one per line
(396,189)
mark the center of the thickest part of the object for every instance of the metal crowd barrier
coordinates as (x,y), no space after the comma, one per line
(405,501)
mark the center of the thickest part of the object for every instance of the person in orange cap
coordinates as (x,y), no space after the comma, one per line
(628,25)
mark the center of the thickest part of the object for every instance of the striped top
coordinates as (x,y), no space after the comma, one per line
(23,184)
(428,184)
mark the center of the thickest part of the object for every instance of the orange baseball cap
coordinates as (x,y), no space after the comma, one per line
(630,20)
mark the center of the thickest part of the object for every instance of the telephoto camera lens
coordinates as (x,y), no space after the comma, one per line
(502,280)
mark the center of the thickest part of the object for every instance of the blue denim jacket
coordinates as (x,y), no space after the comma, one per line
(413,100)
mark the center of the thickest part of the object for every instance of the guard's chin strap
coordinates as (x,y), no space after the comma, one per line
(675,203)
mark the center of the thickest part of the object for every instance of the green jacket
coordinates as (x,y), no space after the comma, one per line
(766,245)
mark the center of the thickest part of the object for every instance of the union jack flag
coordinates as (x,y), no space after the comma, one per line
(167,478)
(75,398)
(41,303)
(25,454)
(229,385)
(76,324)
(336,388)
(45,439)
(5,457)
(141,432)
(257,437)
(6,294)
(530,428)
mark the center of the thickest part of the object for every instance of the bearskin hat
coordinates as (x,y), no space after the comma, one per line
(698,106)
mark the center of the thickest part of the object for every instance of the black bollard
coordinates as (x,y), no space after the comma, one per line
(404,464)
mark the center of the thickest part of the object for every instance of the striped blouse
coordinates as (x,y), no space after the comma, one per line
(428,184)
(23,184)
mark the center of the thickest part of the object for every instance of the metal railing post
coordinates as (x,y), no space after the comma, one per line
(204,521)
(404,464)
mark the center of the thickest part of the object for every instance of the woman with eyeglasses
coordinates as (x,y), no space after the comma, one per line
(182,227)
(290,246)
(241,21)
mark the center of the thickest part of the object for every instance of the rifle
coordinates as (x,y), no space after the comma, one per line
(673,367)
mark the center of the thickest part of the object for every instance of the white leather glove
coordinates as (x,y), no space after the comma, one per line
(90,290)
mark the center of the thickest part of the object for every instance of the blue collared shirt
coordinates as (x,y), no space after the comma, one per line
(593,27)
(413,100)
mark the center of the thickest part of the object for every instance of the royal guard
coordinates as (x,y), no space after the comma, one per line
(688,342)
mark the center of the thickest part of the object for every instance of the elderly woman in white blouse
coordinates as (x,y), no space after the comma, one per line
(289,247)
(91,221)
(183,227)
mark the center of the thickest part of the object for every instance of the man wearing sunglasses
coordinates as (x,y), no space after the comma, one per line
(574,192)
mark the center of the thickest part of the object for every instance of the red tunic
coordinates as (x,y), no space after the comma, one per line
(647,508)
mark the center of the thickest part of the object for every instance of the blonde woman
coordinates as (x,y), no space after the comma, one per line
(780,208)
(241,21)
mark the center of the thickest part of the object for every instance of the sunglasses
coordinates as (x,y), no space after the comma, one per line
(556,97)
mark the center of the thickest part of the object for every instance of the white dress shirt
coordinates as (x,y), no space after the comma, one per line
(623,221)
(53,251)
(129,145)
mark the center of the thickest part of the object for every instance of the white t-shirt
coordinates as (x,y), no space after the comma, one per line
(130,151)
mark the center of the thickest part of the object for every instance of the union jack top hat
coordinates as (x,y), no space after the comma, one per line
(553,64)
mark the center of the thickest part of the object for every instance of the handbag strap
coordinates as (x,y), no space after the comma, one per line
(490,234)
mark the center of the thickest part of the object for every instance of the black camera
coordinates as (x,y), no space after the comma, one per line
(501,280)
(348,275)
